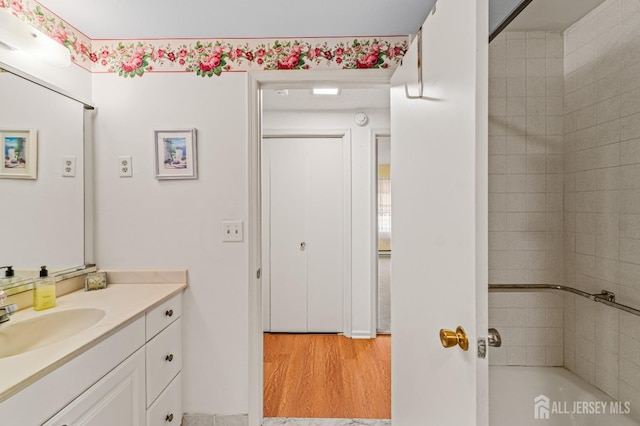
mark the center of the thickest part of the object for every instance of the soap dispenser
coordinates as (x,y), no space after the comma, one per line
(9,275)
(44,291)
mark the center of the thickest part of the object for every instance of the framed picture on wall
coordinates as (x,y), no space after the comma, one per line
(20,151)
(176,156)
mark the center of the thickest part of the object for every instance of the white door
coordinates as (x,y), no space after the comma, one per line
(305,180)
(439,198)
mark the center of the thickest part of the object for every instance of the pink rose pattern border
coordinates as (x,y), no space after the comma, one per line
(207,58)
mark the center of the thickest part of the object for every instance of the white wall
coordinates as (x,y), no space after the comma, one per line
(145,223)
(362,207)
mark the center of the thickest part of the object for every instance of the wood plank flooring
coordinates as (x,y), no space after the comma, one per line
(327,376)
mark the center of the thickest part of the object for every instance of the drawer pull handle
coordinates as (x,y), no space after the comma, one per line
(169,418)
(169,313)
(169,358)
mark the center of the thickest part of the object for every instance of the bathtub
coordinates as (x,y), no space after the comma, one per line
(556,396)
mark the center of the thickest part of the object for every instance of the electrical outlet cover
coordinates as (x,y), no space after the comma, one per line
(232,231)
(125,166)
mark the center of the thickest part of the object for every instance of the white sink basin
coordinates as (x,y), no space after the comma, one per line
(17,337)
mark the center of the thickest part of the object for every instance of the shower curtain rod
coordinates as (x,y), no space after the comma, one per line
(606,297)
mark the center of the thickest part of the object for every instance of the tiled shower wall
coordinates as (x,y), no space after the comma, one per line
(602,196)
(525,194)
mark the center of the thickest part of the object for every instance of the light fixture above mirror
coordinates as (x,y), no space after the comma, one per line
(20,36)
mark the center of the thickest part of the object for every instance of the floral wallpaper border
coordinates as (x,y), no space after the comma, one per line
(209,57)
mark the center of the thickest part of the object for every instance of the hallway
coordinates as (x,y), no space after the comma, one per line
(327,376)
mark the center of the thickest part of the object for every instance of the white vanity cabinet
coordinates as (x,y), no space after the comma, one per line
(130,378)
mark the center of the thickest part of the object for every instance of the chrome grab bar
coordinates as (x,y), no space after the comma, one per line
(606,297)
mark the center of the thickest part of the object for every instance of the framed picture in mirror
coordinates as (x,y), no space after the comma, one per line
(176,156)
(20,151)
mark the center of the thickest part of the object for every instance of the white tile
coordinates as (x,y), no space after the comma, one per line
(497,183)
(536,47)
(516,164)
(630,225)
(516,125)
(608,155)
(497,145)
(609,132)
(497,87)
(555,48)
(630,102)
(630,349)
(516,67)
(516,106)
(516,355)
(536,356)
(497,107)
(608,110)
(535,86)
(516,221)
(607,201)
(630,127)
(554,357)
(608,178)
(630,250)
(516,48)
(536,163)
(516,86)
(516,145)
(498,317)
(497,300)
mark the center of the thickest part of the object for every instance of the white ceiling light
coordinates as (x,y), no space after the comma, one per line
(326,91)
(18,35)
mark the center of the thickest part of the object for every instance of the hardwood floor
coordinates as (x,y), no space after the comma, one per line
(327,376)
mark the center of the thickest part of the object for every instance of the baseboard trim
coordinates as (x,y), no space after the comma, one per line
(362,334)
(215,420)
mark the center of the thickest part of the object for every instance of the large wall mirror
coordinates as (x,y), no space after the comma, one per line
(42,220)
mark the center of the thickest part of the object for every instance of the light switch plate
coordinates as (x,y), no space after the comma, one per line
(68,166)
(232,231)
(125,166)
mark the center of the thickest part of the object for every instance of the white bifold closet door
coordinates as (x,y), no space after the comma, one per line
(306,210)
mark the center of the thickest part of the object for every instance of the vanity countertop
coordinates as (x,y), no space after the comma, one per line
(122,303)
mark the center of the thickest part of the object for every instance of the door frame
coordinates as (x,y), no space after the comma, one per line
(255,82)
(345,136)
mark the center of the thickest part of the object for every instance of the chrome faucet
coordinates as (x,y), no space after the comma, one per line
(6,310)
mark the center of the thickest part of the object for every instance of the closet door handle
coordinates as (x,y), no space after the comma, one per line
(303,246)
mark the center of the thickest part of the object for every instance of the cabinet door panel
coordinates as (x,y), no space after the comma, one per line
(117,399)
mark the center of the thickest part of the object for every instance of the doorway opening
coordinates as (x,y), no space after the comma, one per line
(317,368)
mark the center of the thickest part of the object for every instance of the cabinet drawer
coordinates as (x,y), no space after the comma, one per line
(167,409)
(164,359)
(163,315)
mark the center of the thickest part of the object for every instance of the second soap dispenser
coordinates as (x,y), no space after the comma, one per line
(44,291)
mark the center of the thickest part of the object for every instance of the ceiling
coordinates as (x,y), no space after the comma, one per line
(552,15)
(140,19)
(146,19)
